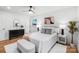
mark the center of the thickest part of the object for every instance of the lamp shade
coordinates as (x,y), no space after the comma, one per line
(62,26)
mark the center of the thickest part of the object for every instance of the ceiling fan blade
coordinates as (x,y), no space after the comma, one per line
(33,11)
(28,10)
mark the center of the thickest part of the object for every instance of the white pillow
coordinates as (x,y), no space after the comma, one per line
(56,30)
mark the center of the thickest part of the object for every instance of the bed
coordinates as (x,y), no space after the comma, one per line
(43,42)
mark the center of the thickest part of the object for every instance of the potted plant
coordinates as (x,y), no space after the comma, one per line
(72,28)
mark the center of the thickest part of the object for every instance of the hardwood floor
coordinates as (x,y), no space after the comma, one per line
(71,50)
(5,42)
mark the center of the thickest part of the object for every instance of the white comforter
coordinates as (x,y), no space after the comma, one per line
(42,41)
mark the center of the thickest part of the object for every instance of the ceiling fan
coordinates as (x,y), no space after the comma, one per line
(30,10)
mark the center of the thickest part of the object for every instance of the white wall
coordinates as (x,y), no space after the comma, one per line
(6,22)
(78,28)
(61,16)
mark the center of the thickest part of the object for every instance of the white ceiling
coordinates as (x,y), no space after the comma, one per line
(38,9)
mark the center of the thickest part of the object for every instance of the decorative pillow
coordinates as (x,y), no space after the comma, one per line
(48,31)
(43,30)
(27,37)
(53,31)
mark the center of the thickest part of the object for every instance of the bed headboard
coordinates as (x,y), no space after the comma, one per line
(48,29)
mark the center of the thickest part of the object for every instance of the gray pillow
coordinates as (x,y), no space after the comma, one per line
(42,30)
(48,31)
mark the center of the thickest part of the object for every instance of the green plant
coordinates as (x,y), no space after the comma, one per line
(72,28)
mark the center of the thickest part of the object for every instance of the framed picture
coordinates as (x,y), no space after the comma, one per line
(34,22)
(49,20)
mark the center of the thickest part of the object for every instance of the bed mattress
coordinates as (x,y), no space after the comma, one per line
(43,42)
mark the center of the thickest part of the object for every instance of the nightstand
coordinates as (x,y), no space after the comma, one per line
(62,39)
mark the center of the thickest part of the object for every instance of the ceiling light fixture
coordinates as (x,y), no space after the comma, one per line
(31,10)
(8,7)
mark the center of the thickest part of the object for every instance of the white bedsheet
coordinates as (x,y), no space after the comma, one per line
(42,41)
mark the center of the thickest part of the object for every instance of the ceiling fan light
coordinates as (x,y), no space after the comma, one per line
(31,9)
(30,12)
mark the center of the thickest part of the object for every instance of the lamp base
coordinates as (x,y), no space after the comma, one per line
(62,31)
